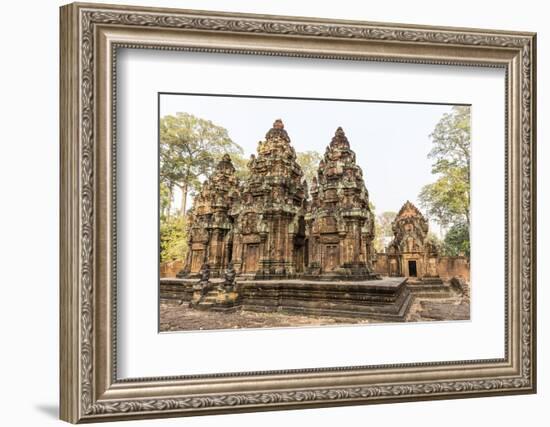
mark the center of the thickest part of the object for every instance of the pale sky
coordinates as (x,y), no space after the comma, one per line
(391,141)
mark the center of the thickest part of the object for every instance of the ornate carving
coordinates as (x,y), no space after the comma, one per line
(410,230)
(89,18)
(331,394)
(229,278)
(412,253)
(249,25)
(268,232)
(86,211)
(210,222)
(339,215)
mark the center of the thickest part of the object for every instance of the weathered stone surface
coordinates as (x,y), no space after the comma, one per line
(447,266)
(439,309)
(269,222)
(176,317)
(267,227)
(209,223)
(410,253)
(340,225)
(269,248)
(387,299)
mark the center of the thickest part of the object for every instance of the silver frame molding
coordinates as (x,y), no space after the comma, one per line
(90,37)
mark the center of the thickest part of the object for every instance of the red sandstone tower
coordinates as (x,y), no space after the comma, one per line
(209,227)
(339,221)
(269,229)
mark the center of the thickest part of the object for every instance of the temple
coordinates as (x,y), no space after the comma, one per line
(269,231)
(209,227)
(410,253)
(266,244)
(339,221)
(267,227)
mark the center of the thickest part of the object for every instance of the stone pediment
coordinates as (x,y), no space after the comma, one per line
(410,210)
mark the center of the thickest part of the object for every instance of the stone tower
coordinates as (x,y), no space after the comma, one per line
(269,230)
(410,253)
(340,223)
(210,237)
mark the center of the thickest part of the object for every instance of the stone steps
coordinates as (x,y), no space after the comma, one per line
(430,287)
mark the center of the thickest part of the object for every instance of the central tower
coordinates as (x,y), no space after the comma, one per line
(340,222)
(269,231)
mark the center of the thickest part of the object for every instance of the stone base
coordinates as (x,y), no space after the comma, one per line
(384,300)
(189,275)
(430,287)
(345,273)
(388,299)
(217,300)
(176,289)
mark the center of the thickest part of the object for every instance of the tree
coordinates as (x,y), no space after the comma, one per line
(190,148)
(383,229)
(434,241)
(241,166)
(457,240)
(309,162)
(173,238)
(447,200)
(166,195)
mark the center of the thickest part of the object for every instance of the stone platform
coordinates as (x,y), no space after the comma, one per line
(388,299)
(430,287)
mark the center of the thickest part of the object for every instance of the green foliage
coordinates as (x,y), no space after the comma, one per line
(447,200)
(190,148)
(241,166)
(457,240)
(165,198)
(434,241)
(173,238)
(451,138)
(309,162)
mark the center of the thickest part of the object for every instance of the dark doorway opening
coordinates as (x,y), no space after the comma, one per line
(412,268)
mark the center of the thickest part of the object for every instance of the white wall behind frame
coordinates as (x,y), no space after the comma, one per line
(29,218)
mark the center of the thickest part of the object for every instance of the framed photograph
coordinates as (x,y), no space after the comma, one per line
(267,212)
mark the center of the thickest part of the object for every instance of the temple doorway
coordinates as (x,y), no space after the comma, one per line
(330,258)
(412,268)
(299,259)
(197,261)
(251,258)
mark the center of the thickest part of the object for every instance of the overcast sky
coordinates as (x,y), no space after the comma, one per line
(391,141)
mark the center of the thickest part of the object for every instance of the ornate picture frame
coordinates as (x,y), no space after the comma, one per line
(90,37)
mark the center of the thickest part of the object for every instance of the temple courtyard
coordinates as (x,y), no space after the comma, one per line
(175,316)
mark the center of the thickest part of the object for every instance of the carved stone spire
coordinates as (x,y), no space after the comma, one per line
(209,223)
(410,230)
(339,140)
(340,223)
(274,197)
(411,253)
(277,131)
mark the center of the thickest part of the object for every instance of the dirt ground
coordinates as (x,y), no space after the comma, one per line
(176,317)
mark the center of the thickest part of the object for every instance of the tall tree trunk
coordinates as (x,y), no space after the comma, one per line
(170,199)
(184,190)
